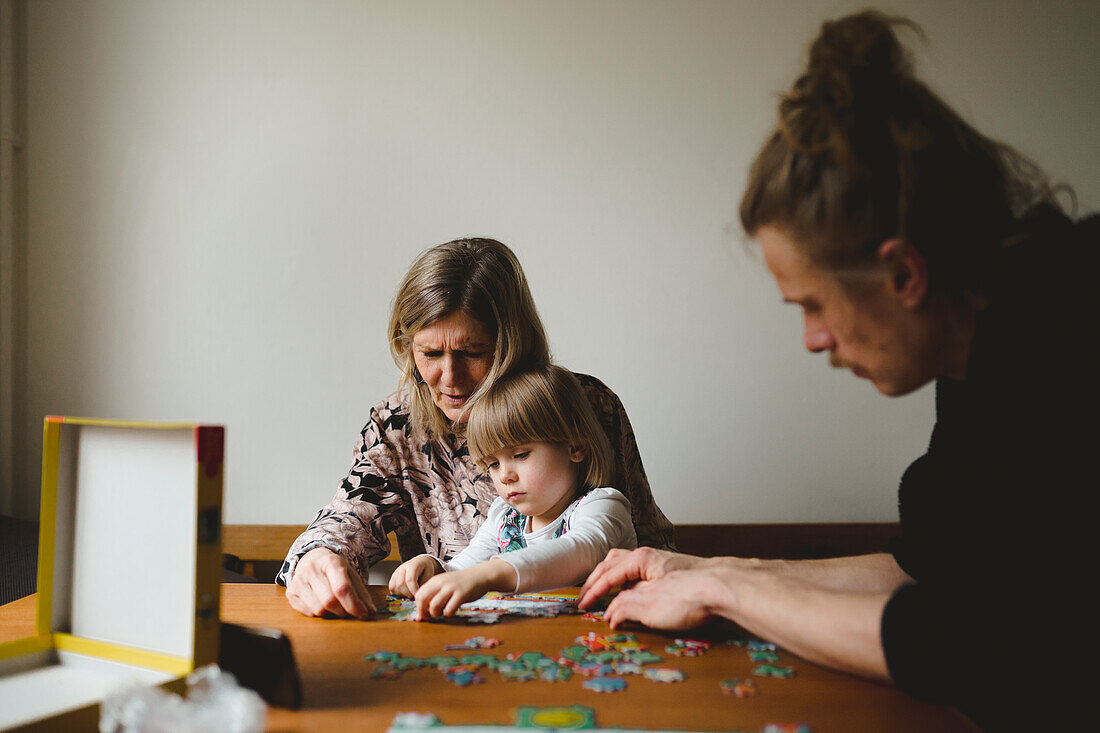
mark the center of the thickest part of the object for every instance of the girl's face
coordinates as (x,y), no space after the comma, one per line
(538,479)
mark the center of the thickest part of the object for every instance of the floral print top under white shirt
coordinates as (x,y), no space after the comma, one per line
(434,497)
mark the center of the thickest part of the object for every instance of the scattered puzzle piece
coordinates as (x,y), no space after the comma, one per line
(517,675)
(757,645)
(605,684)
(627,667)
(475,642)
(386,673)
(463,677)
(663,674)
(575,652)
(774,670)
(480,660)
(739,687)
(556,673)
(764,656)
(642,656)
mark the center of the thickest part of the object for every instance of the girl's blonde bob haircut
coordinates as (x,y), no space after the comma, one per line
(546,405)
(483,278)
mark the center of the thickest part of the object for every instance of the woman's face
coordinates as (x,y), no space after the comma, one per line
(453,355)
(873,333)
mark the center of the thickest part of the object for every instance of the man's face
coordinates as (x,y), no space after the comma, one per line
(864,329)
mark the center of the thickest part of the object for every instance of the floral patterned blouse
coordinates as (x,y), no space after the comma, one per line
(433,496)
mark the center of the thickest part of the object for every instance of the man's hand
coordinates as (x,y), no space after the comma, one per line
(410,575)
(677,600)
(621,567)
(324,584)
(444,593)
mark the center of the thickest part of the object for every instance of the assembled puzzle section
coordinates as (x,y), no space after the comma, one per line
(129,564)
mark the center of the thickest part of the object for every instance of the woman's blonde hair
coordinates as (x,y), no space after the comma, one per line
(483,278)
(548,405)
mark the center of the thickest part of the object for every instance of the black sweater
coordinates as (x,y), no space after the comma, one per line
(993,519)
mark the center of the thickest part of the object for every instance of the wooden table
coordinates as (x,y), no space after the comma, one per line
(340,694)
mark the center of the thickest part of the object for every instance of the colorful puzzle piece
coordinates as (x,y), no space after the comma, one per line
(605,684)
(739,687)
(774,670)
(475,642)
(663,674)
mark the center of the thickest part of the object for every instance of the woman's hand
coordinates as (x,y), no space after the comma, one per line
(443,594)
(676,600)
(625,566)
(324,584)
(410,575)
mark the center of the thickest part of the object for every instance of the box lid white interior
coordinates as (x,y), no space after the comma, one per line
(122,541)
(125,539)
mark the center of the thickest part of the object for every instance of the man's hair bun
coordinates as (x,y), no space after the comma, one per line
(857,61)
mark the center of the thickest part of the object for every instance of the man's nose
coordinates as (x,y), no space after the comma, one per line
(815,337)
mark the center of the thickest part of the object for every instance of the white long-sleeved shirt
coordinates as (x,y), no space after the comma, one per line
(599,521)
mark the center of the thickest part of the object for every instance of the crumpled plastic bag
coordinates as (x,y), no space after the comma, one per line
(215,703)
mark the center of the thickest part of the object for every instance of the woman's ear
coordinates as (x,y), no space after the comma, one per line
(577,453)
(907,270)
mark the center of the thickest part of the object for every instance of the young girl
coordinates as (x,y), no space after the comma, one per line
(547,456)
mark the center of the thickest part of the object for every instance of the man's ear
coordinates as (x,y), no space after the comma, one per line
(577,453)
(907,270)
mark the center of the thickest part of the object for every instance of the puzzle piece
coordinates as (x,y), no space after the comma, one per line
(605,684)
(663,674)
(739,687)
(475,642)
(774,670)
(386,673)
(463,677)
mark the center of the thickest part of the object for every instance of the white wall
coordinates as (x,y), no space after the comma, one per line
(223,195)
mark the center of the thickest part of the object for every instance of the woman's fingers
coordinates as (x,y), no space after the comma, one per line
(301,598)
(350,592)
(326,584)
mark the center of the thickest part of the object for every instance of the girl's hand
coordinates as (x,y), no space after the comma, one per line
(443,594)
(410,575)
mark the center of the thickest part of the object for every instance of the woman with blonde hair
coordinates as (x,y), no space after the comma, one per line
(462,318)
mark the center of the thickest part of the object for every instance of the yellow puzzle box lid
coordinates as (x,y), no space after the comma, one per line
(129,566)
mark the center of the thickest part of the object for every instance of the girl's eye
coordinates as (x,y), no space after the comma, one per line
(493,466)
(432,354)
(522,454)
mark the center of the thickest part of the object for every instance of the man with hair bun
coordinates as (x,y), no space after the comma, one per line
(920,250)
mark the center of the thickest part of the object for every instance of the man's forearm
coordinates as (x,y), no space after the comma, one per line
(837,629)
(876,573)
